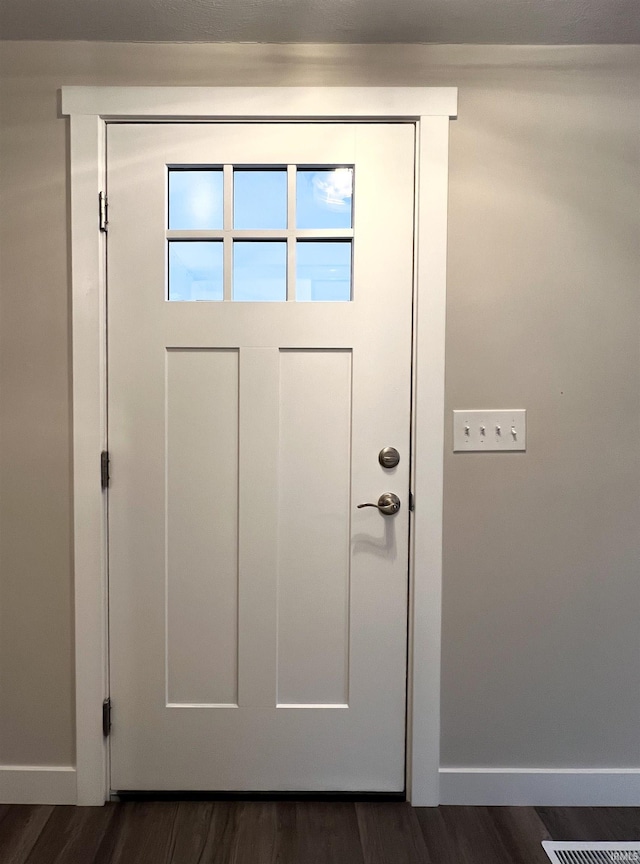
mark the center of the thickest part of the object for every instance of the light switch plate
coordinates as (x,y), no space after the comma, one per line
(489,430)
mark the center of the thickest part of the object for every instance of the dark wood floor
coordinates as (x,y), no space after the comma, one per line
(298,833)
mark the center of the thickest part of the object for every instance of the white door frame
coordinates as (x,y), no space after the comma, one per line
(89,109)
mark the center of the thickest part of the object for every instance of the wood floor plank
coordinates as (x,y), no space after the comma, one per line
(440,845)
(191,830)
(465,835)
(390,834)
(521,831)
(219,844)
(256,835)
(286,831)
(291,832)
(313,832)
(446,832)
(141,833)
(19,831)
(605,824)
(241,833)
(71,834)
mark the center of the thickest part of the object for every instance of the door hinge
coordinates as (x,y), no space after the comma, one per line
(412,503)
(103,211)
(104,469)
(106,717)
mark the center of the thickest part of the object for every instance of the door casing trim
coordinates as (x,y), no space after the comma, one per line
(89,109)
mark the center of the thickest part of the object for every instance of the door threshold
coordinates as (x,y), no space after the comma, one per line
(179,795)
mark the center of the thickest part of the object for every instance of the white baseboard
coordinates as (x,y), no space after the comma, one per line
(540,787)
(37,784)
(481,787)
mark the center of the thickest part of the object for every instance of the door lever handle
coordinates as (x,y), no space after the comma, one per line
(388,504)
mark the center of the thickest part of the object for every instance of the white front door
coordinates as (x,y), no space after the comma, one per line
(258,618)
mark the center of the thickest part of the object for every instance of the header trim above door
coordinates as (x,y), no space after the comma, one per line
(89,109)
(252,103)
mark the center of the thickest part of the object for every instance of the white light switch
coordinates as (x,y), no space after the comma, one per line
(489,430)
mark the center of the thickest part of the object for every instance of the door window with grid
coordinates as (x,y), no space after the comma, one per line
(268,233)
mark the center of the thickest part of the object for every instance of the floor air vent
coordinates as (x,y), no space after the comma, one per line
(591,853)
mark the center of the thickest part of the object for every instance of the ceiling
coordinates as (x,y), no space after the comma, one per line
(357,21)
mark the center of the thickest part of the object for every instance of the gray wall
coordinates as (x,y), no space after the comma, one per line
(541,643)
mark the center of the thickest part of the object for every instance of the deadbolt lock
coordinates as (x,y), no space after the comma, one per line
(388,457)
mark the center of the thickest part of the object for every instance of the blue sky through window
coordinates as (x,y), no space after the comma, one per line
(259,199)
(195,270)
(324,198)
(259,270)
(323,270)
(195,199)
